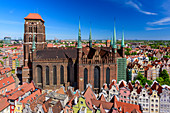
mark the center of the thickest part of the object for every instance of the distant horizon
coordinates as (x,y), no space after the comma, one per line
(139,18)
(97,39)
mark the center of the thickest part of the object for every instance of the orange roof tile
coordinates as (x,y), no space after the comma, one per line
(126,107)
(21,90)
(102,98)
(35,16)
(31,97)
(89,94)
(5,103)
(6,81)
(60,91)
(101,109)
(105,105)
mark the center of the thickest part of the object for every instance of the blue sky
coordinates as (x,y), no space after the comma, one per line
(141,19)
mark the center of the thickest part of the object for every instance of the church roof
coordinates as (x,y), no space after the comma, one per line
(35,16)
(57,53)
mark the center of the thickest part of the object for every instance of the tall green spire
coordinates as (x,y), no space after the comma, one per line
(79,36)
(90,39)
(33,43)
(122,43)
(111,43)
(114,36)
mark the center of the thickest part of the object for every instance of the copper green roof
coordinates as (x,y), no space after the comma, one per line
(114,36)
(79,37)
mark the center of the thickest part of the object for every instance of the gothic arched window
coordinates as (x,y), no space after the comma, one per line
(61,74)
(47,75)
(30,38)
(54,75)
(39,73)
(85,77)
(97,77)
(108,76)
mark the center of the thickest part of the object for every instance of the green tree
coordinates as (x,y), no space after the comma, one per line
(164,74)
(160,80)
(127,53)
(1,62)
(139,76)
(143,80)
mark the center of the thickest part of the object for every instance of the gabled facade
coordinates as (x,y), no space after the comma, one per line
(165,101)
(134,97)
(144,100)
(124,94)
(113,91)
(154,102)
(81,106)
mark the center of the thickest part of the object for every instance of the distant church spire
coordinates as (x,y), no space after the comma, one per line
(79,36)
(122,43)
(90,39)
(114,36)
(33,43)
(111,43)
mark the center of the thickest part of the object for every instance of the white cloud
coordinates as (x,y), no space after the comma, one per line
(137,7)
(163,21)
(152,29)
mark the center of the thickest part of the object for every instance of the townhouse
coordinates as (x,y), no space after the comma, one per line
(19,94)
(165,100)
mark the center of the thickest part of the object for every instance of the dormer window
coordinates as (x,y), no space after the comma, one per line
(8,82)
(3,84)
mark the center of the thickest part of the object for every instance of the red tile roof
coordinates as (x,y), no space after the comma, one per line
(21,90)
(60,91)
(105,105)
(6,81)
(4,70)
(156,86)
(31,97)
(130,86)
(102,98)
(89,94)
(101,109)
(122,84)
(35,16)
(126,107)
(113,83)
(4,103)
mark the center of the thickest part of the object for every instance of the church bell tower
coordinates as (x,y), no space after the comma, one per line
(33,27)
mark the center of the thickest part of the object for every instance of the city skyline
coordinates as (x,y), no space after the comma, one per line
(141,20)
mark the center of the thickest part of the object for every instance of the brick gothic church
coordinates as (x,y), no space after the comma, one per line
(50,68)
